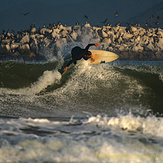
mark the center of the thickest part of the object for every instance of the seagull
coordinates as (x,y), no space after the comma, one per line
(156,23)
(116,13)
(117,24)
(85,16)
(152,16)
(105,21)
(129,24)
(146,24)
(77,23)
(25,14)
(158,17)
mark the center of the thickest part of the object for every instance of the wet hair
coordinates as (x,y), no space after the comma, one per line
(89,53)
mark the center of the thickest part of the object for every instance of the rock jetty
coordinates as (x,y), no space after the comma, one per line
(129,43)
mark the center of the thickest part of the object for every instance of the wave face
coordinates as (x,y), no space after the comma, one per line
(90,113)
(38,89)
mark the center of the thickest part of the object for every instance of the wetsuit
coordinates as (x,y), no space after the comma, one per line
(79,53)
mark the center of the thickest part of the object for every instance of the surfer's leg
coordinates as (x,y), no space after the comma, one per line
(65,66)
(69,63)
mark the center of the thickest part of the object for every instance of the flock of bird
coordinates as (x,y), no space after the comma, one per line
(152,17)
(116,14)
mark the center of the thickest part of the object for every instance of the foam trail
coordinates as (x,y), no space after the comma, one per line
(94,139)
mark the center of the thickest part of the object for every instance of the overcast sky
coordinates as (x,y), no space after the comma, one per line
(5,4)
(47,11)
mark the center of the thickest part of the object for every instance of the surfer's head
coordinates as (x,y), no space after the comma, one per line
(89,53)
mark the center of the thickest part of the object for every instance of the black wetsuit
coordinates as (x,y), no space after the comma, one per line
(79,53)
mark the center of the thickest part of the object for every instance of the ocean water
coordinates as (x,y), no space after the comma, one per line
(92,113)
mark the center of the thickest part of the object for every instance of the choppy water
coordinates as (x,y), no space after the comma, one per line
(92,113)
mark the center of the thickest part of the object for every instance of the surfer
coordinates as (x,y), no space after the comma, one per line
(78,53)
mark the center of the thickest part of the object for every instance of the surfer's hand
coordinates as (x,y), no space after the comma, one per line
(97,44)
(93,58)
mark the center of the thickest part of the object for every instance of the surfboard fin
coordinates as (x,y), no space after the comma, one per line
(102,61)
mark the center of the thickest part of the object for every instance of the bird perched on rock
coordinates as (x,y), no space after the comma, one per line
(146,24)
(116,13)
(156,23)
(152,16)
(105,22)
(77,23)
(117,24)
(129,24)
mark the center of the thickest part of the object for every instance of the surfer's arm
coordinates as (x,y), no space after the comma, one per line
(87,47)
(89,56)
(92,57)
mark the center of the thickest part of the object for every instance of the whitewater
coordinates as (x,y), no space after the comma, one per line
(92,113)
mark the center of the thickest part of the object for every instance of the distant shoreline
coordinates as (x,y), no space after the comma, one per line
(130,43)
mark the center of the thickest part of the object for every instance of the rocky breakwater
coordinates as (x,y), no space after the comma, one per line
(41,43)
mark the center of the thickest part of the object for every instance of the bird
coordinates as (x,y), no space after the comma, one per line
(117,24)
(85,16)
(25,14)
(156,23)
(152,16)
(158,17)
(129,24)
(146,24)
(77,23)
(116,13)
(104,22)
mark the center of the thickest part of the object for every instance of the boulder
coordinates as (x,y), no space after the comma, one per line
(15,46)
(77,27)
(133,29)
(127,36)
(107,41)
(144,39)
(55,33)
(64,33)
(160,43)
(142,31)
(6,41)
(45,30)
(101,33)
(33,30)
(5,48)
(74,35)
(104,34)
(25,39)
(137,48)
(24,48)
(150,46)
(69,28)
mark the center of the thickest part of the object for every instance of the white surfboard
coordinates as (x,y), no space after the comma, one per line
(102,56)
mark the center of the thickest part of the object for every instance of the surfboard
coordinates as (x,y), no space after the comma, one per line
(102,56)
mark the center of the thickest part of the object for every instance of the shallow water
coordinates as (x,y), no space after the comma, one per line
(92,113)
